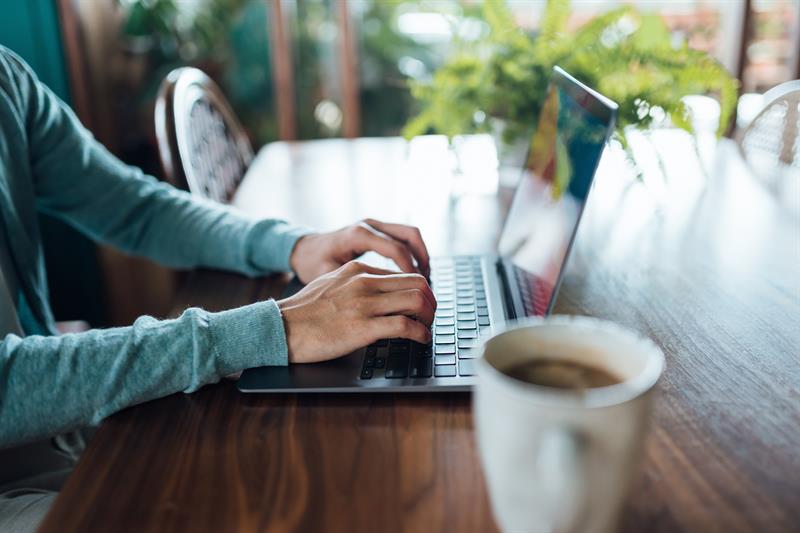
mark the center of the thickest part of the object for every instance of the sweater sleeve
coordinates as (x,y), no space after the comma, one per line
(50,385)
(78,180)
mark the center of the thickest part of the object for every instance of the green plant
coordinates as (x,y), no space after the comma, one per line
(225,38)
(627,55)
(190,31)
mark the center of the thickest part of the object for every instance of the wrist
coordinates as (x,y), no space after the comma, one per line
(299,251)
(291,335)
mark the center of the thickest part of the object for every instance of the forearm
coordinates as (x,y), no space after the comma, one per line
(120,206)
(50,385)
(76,179)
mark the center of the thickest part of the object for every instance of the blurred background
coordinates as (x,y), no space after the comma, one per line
(302,69)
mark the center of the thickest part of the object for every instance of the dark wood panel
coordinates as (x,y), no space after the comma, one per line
(282,67)
(710,271)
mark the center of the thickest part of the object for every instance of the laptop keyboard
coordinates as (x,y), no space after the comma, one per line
(461,315)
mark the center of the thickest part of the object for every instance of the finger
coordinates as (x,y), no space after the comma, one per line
(411,302)
(410,236)
(397,251)
(354,268)
(399,282)
(390,327)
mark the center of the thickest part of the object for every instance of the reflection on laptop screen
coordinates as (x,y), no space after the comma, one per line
(573,128)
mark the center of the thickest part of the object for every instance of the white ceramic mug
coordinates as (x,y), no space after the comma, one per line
(556,459)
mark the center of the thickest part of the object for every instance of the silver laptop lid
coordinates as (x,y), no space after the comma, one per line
(574,125)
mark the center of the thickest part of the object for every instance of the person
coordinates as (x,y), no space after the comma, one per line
(53,384)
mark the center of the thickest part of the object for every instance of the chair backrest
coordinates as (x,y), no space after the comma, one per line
(202,146)
(770,144)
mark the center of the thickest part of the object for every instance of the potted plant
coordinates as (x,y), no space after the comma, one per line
(499,81)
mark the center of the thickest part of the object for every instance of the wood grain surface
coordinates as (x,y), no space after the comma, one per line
(708,267)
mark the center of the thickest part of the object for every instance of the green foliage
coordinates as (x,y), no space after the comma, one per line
(193,32)
(225,38)
(626,55)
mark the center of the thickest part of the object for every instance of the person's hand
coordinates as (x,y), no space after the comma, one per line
(352,307)
(318,254)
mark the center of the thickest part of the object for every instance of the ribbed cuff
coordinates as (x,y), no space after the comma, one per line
(272,244)
(248,337)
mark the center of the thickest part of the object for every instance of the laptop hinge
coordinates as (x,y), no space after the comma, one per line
(510,288)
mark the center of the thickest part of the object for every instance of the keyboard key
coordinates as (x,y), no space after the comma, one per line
(421,368)
(466,301)
(465,308)
(445,330)
(445,313)
(380,362)
(443,349)
(467,343)
(445,321)
(467,353)
(369,361)
(466,367)
(420,350)
(397,367)
(445,371)
(445,339)
(483,320)
(467,324)
(466,316)
(444,299)
(467,334)
(399,349)
(483,310)
(366,373)
(444,359)
(445,305)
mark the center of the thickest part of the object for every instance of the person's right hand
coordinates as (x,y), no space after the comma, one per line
(352,307)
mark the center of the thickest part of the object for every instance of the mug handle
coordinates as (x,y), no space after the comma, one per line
(562,467)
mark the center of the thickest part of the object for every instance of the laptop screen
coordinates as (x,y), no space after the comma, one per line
(574,125)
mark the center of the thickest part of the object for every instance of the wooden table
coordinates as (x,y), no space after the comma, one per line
(709,270)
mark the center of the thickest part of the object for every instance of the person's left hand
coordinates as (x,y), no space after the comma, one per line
(318,254)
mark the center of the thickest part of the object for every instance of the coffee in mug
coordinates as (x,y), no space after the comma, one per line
(549,372)
(560,411)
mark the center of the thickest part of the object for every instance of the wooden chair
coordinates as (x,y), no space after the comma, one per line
(770,144)
(202,146)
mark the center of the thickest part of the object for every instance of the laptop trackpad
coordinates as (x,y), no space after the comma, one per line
(342,372)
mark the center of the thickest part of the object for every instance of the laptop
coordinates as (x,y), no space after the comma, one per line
(477,295)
